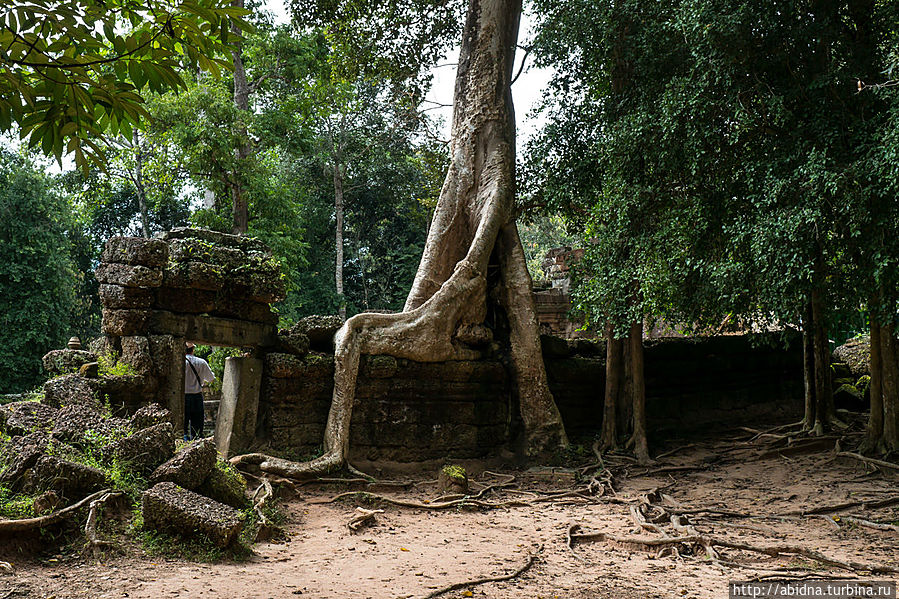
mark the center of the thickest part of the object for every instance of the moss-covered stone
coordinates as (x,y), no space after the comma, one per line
(66,361)
(168,507)
(226,485)
(135,250)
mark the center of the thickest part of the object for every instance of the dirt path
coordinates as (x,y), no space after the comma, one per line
(410,552)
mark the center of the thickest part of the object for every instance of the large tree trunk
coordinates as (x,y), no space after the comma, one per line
(239,205)
(444,315)
(614,375)
(808,369)
(638,388)
(873,442)
(338,238)
(890,369)
(824,408)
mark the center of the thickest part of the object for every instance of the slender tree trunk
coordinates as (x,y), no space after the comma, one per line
(824,409)
(614,375)
(444,315)
(641,448)
(890,369)
(338,238)
(139,185)
(239,203)
(808,369)
(873,442)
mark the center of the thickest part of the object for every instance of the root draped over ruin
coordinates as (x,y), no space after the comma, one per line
(473,233)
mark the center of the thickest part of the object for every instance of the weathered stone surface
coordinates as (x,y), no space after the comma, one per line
(149,415)
(66,361)
(115,297)
(380,367)
(231,307)
(248,244)
(126,275)
(125,393)
(198,250)
(136,250)
(21,418)
(320,330)
(75,423)
(855,353)
(226,485)
(168,507)
(284,365)
(189,301)
(235,426)
(105,346)
(293,342)
(145,449)
(194,275)
(20,454)
(189,467)
(91,370)
(72,389)
(215,330)
(258,286)
(122,323)
(136,354)
(68,479)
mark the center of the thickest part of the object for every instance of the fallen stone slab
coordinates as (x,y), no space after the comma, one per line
(149,415)
(20,454)
(79,424)
(226,485)
(23,417)
(68,479)
(189,467)
(168,507)
(70,390)
(146,449)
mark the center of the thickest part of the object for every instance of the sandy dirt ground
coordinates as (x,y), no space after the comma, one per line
(763,483)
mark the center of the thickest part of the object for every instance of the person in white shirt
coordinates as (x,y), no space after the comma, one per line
(196,374)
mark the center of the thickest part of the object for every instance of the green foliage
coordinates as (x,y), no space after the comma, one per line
(110,366)
(14,505)
(37,277)
(70,72)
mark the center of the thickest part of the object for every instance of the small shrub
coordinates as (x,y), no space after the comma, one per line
(109,365)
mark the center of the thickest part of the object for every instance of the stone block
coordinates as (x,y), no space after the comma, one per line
(68,479)
(380,367)
(167,352)
(149,415)
(198,250)
(226,485)
(66,361)
(189,301)
(121,323)
(194,275)
(136,354)
(247,244)
(189,467)
(161,322)
(230,307)
(19,455)
(293,342)
(23,417)
(257,286)
(126,275)
(168,507)
(75,424)
(320,330)
(235,426)
(136,250)
(230,332)
(105,346)
(115,297)
(146,449)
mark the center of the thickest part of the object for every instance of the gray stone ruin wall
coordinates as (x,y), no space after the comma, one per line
(187,285)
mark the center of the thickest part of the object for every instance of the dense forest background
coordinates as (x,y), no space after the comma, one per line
(716,161)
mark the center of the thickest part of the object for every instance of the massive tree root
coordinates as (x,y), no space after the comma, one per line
(472,234)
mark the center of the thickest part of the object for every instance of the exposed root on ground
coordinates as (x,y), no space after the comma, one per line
(26,524)
(362,517)
(869,461)
(532,557)
(94,543)
(772,550)
(263,494)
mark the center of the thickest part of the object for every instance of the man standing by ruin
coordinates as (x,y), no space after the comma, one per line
(196,374)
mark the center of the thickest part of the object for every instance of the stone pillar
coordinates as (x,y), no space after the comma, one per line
(235,427)
(167,353)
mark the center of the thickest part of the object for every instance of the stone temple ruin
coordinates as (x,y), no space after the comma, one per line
(217,289)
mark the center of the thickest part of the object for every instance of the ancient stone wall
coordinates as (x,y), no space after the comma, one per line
(188,285)
(408,411)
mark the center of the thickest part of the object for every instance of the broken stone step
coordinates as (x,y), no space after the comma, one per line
(171,508)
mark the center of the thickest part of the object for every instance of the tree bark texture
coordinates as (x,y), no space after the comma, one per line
(638,388)
(239,202)
(444,315)
(873,442)
(614,375)
(890,369)
(338,238)
(824,409)
(808,369)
